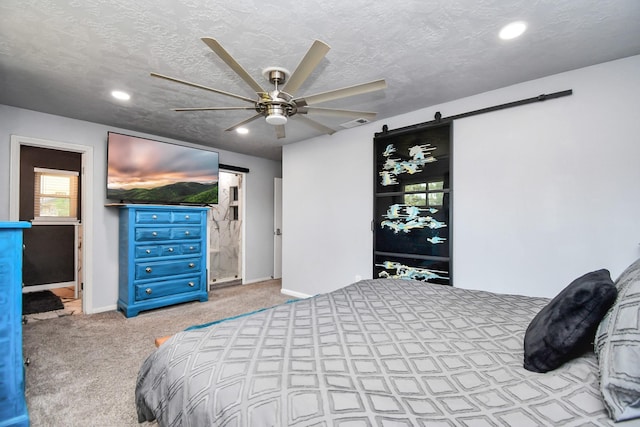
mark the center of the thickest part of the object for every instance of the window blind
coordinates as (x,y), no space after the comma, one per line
(55,194)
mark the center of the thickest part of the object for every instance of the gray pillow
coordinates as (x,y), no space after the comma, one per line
(617,346)
(565,328)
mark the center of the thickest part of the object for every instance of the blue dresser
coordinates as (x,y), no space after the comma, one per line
(162,256)
(13,407)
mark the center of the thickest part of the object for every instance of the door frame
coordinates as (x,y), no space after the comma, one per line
(243,222)
(277,228)
(243,226)
(86,179)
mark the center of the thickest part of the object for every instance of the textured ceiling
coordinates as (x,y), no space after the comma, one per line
(65,57)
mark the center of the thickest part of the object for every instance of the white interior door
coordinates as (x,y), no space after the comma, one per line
(277,228)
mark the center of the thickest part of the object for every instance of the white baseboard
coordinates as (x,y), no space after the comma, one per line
(103,309)
(294,294)
(247,282)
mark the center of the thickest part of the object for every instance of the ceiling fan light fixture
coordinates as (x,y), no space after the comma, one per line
(276,119)
(275,115)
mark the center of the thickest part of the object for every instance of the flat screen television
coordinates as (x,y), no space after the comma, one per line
(141,170)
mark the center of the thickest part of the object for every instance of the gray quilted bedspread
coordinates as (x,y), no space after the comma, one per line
(376,353)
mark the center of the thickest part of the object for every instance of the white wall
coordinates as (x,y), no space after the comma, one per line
(541,193)
(259,195)
(327,202)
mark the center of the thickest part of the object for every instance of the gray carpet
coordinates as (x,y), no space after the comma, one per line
(83,367)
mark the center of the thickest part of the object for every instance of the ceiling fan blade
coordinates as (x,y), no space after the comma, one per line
(226,57)
(244,122)
(184,82)
(212,108)
(314,55)
(319,126)
(280,131)
(341,93)
(338,113)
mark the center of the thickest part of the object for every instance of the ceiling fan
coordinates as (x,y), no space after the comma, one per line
(277,105)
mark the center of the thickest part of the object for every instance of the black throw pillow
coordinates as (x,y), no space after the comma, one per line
(565,328)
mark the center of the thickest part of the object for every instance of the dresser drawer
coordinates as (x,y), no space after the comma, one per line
(161,233)
(149,234)
(153,217)
(186,233)
(169,250)
(193,217)
(191,248)
(153,269)
(148,251)
(154,251)
(167,288)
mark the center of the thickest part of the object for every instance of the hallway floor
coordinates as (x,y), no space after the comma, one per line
(72,305)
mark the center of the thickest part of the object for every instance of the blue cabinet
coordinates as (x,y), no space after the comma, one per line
(162,256)
(13,407)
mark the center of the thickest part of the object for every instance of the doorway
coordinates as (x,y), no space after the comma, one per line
(49,199)
(225,224)
(74,270)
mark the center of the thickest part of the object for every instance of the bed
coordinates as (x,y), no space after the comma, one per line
(381,352)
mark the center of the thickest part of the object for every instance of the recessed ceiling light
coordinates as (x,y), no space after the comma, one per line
(122,96)
(242,131)
(513,30)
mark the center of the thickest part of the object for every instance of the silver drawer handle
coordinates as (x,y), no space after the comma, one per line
(187,233)
(148,251)
(155,233)
(192,284)
(191,248)
(170,249)
(148,269)
(148,291)
(191,265)
(154,216)
(186,217)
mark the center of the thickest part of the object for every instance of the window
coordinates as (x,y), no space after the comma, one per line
(431,194)
(55,194)
(435,197)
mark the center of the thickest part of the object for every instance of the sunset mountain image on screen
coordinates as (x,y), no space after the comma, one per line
(142,170)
